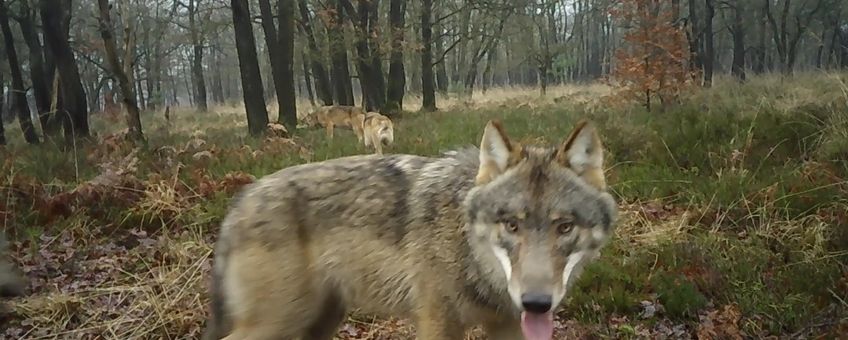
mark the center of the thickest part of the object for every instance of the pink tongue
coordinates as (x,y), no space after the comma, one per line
(537,326)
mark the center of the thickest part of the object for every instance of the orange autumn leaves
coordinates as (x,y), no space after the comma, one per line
(653,65)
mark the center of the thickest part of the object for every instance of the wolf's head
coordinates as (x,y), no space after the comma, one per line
(540,214)
(310,118)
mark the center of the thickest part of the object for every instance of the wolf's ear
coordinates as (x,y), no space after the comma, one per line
(497,153)
(582,152)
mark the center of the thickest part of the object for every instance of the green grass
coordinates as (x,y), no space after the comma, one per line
(758,170)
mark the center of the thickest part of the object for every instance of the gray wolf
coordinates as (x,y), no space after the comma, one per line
(492,236)
(338,115)
(379,131)
(11,282)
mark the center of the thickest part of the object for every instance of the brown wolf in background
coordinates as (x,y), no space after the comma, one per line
(379,131)
(338,115)
(493,236)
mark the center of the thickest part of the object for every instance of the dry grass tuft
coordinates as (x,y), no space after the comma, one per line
(156,289)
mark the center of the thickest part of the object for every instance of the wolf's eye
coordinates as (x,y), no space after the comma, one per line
(564,226)
(511,226)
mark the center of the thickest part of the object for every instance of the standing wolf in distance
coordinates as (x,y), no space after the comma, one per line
(378,130)
(334,116)
(493,237)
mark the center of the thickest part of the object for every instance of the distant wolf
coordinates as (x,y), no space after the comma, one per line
(379,131)
(492,236)
(338,115)
(11,282)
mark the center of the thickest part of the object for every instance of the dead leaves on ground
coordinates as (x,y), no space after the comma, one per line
(722,323)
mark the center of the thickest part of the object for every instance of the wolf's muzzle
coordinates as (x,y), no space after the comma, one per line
(536,303)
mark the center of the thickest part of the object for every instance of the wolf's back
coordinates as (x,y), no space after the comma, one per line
(366,197)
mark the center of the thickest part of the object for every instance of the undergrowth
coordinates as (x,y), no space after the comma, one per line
(734,213)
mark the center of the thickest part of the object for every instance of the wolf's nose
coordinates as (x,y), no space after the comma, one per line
(536,303)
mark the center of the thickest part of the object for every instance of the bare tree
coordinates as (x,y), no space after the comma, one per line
(322,80)
(368,57)
(50,125)
(342,88)
(786,40)
(709,49)
(397,76)
(427,81)
(74,106)
(119,70)
(197,41)
(274,53)
(737,31)
(251,80)
(288,108)
(19,99)
(2,104)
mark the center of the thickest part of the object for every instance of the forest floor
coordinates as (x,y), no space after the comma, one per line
(734,213)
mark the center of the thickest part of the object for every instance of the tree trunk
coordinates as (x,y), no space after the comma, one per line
(486,44)
(427,85)
(779,34)
(831,49)
(273,46)
(251,80)
(288,108)
(175,99)
(709,48)
(139,90)
(820,50)
(397,76)
(376,77)
(461,49)
(50,124)
(442,79)
(342,87)
(2,105)
(842,43)
(758,64)
(197,58)
(154,77)
(487,71)
(694,34)
(188,83)
(148,62)
(73,105)
(368,58)
(322,81)
(126,87)
(801,26)
(307,78)
(217,82)
(19,98)
(738,33)
(414,64)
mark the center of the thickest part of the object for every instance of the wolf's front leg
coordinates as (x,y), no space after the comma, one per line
(329,127)
(367,139)
(436,322)
(378,145)
(439,330)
